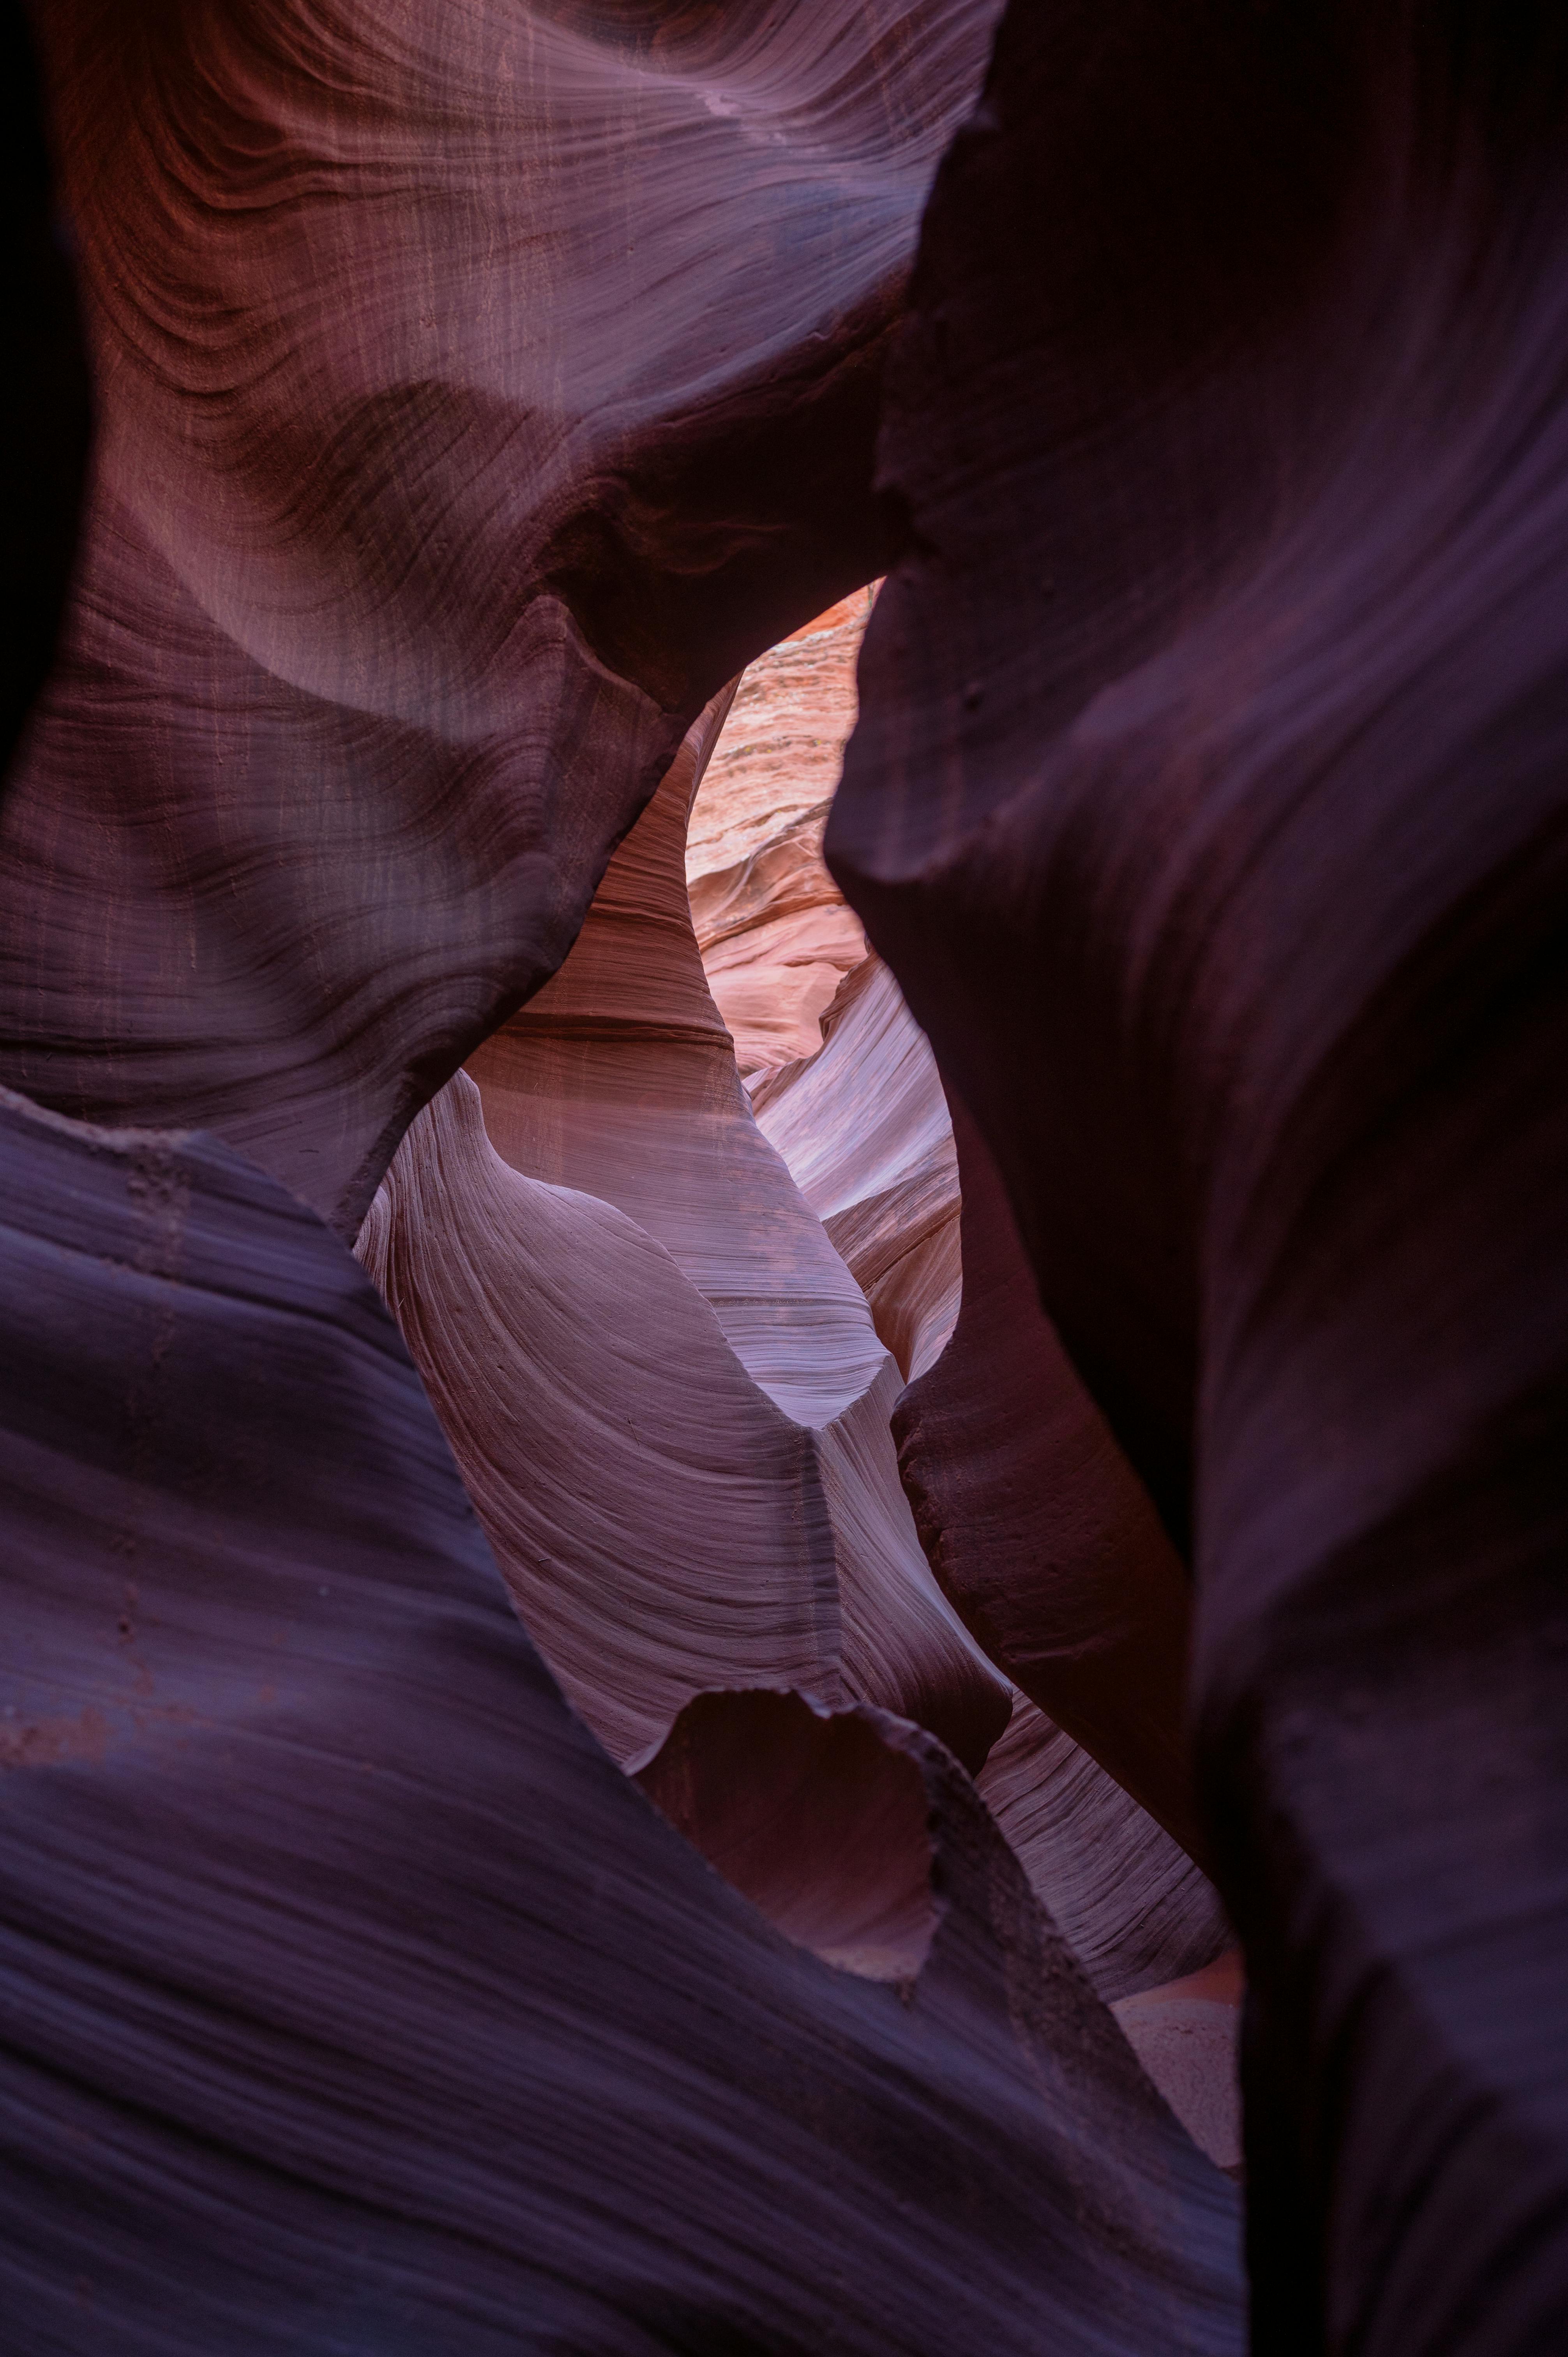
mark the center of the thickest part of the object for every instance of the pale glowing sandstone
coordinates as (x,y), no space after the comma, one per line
(865,1129)
(689,1479)
(775,933)
(864,1124)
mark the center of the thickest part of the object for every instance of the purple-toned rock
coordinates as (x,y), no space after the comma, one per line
(1207,801)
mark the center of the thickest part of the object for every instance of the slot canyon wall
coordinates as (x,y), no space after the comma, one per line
(734,1503)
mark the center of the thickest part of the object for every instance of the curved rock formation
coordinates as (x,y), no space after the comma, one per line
(480,389)
(1130,1904)
(1207,803)
(353,1999)
(773,927)
(663,1385)
(865,1129)
(1036,1527)
(659,1522)
(430,507)
(819,1817)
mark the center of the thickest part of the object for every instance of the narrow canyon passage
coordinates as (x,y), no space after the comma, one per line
(667,1254)
(783,1288)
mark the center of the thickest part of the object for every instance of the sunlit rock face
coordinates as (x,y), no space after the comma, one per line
(696,1486)
(775,932)
(864,1127)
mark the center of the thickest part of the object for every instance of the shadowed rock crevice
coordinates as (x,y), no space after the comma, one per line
(1205,802)
(818,1817)
(480,387)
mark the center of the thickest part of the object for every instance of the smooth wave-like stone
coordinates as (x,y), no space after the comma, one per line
(1133,1906)
(353,1999)
(480,388)
(865,1129)
(713,1396)
(1207,800)
(1036,1525)
(620,1079)
(661,1523)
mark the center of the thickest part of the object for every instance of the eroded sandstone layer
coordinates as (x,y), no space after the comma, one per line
(354,1999)
(627,1786)
(429,508)
(695,1485)
(776,933)
(1207,803)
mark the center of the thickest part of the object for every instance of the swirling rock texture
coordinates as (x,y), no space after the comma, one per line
(1208,802)
(480,390)
(672,1413)
(354,2000)
(482,387)
(1134,1908)
(688,1476)
(1019,1492)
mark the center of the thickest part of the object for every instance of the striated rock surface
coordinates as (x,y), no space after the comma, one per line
(840,1075)
(353,2000)
(1207,803)
(865,1129)
(687,1473)
(429,508)
(783,749)
(1130,1902)
(660,1522)
(673,1530)
(773,927)
(480,390)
